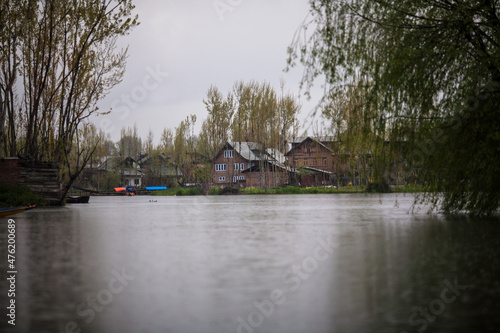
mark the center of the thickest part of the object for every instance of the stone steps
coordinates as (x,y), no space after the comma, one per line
(41,177)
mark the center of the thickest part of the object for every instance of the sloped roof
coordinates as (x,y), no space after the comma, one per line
(146,157)
(114,162)
(269,163)
(251,151)
(248,150)
(317,170)
(324,138)
(312,139)
(277,155)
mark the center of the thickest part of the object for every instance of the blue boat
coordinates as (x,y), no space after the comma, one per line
(156,188)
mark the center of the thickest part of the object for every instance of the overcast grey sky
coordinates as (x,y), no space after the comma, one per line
(182,47)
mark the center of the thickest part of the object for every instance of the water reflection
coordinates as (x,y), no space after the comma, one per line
(314,263)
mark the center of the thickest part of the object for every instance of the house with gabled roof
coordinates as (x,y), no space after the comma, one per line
(127,168)
(310,152)
(247,164)
(317,160)
(159,170)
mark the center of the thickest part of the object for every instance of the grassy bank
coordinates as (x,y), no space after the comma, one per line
(12,195)
(181,191)
(408,189)
(302,190)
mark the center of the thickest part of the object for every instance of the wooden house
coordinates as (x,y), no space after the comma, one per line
(159,170)
(318,160)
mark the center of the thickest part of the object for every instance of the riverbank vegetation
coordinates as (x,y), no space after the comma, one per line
(13,195)
(303,190)
(179,191)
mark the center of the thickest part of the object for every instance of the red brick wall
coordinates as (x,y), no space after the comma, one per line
(266,179)
(230,172)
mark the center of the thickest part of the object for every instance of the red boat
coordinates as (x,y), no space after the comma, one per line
(129,190)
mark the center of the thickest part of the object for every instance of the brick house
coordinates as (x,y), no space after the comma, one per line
(247,165)
(318,160)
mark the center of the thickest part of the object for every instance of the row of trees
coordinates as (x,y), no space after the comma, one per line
(57,60)
(251,112)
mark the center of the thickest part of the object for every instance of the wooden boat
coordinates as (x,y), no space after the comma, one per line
(10,211)
(78,199)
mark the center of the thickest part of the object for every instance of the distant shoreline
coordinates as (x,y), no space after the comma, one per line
(180,191)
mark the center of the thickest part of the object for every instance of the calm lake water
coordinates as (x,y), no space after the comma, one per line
(224,264)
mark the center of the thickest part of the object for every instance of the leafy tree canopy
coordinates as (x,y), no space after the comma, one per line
(430,71)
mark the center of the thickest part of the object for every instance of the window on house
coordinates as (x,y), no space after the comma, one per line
(242,177)
(234,179)
(242,166)
(228,153)
(137,181)
(305,162)
(236,166)
(220,167)
(221,179)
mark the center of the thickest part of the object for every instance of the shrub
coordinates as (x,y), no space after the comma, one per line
(12,195)
(215,191)
(380,187)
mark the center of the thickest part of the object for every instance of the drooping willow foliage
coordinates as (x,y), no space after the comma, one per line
(429,71)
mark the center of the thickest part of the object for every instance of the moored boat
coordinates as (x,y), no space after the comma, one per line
(129,190)
(155,188)
(78,199)
(15,210)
